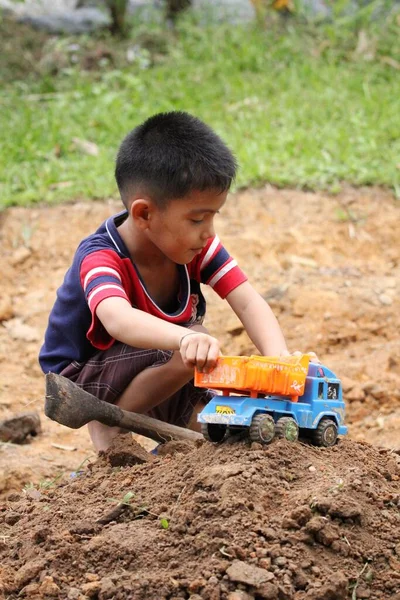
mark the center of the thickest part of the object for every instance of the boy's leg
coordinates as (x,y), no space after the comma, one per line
(193,424)
(146,391)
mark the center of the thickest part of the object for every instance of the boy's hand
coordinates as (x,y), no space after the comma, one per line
(199,350)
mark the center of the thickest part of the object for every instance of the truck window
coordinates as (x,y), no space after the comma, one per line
(333,391)
(321,389)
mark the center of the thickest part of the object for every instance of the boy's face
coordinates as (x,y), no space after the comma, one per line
(184,226)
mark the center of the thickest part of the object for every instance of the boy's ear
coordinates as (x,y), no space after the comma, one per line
(141,212)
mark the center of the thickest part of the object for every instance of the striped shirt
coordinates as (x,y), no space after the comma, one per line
(102,268)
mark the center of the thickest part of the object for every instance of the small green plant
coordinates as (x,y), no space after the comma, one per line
(125,500)
(164,522)
(139,510)
(45,484)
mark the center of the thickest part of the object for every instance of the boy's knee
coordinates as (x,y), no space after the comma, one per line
(176,363)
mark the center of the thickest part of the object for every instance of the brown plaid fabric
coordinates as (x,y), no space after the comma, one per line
(107,373)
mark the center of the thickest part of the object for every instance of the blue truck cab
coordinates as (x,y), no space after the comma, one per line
(318,414)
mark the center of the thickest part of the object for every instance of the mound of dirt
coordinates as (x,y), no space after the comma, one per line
(230,522)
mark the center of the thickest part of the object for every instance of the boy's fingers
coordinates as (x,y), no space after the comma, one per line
(200,350)
(201,355)
(189,350)
(212,357)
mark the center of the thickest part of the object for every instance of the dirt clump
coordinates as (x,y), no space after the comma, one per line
(125,452)
(231,522)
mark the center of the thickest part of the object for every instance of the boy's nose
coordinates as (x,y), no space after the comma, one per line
(208,233)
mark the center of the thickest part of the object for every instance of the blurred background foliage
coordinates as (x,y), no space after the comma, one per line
(303,100)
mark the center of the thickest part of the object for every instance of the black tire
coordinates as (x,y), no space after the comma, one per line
(326,433)
(215,433)
(287,428)
(262,429)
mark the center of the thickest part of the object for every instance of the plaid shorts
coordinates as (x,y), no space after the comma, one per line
(108,373)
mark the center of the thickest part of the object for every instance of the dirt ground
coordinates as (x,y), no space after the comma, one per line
(329,267)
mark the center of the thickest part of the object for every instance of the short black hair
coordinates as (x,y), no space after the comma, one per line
(170,155)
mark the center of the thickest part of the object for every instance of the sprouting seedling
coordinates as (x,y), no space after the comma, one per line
(126,503)
(164,522)
(125,500)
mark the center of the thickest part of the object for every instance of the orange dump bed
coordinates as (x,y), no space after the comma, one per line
(285,376)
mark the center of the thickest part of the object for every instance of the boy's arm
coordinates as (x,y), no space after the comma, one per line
(258,320)
(141,330)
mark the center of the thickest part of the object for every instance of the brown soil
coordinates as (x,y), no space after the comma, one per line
(318,523)
(285,521)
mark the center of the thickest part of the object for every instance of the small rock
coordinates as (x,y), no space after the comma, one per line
(91,589)
(345,509)
(333,590)
(322,505)
(21,331)
(18,428)
(265,563)
(316,524)
(240,595)
(256,446)
(327,535)
(196,585)
(363,592)
(244,573)
(32,589)
(301,514)
(20,256)
(268,591)
(312,469)
(385,300)
(48,587)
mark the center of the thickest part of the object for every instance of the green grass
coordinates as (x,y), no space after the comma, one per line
(298,108)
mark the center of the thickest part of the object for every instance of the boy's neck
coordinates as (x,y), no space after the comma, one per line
(141,250)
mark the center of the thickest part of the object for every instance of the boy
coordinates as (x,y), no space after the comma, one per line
(127,322)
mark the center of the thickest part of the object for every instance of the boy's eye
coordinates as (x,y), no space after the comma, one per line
(197,220)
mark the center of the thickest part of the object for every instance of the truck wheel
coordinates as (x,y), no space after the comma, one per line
(326,433)
(287,428)
(262,429)
(214,433)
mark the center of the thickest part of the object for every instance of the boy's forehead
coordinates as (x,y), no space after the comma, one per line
(208,201)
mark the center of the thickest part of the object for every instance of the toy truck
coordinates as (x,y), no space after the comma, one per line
(269,397)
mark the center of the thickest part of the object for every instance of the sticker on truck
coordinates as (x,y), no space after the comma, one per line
(224,410)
